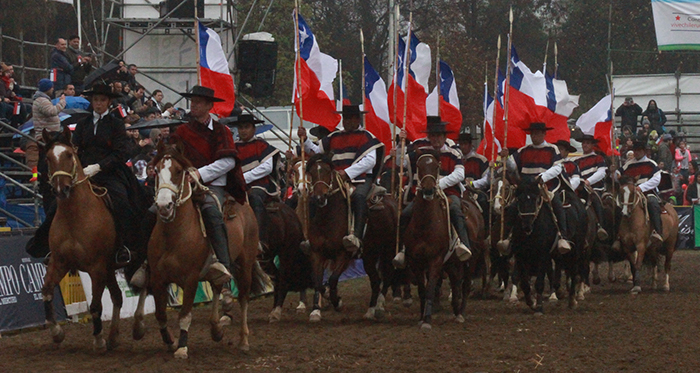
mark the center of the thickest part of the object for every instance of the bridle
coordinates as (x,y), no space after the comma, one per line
(637,198)
(73,175)
(533,214)
(419,187)
(334,186)
(180,199)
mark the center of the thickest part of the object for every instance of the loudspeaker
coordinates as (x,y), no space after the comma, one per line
(185,11)
(257,63)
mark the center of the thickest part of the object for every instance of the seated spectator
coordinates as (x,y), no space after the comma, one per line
(691,194)
(69,91)
(643,133)
(131,81)
(137,101)
(117,90)
(133,148)
(157,100)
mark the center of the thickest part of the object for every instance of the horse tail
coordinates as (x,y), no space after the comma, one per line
(259,281)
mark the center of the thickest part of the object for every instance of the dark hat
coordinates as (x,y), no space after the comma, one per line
(566,144)
(242,119)
(639,145)
(101,89)
(349,110)
(465,137)
(588,138)
(203,92)
(538,126)
(436,125)
(319,132)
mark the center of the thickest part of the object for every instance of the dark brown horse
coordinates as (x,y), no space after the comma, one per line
(480,261)
(427,241)
(503,193)
(635,230)
(328,223)
(178,251)
(82,238)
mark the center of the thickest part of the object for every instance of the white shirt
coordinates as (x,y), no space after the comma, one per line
(361,166)
(215,172)
(96,118)
(259,172)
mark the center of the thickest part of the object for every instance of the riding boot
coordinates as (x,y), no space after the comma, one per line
(257,202)
(655,217)
(399,260)
(38,246)
(598,207)
(562,243)
(503,245)
(457,219)
(353,241)
(220,272)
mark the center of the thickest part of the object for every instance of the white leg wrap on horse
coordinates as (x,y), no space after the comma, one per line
(186,321)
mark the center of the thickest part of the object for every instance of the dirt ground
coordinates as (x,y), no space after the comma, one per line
(611,331)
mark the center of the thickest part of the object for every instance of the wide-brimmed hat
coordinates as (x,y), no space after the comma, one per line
(588,138)
(319,132)
(566,144)
(436,125)
(242,119)
(203,92)
(465,137)
(101,89)
(639,145)
(538,126)
(349,110)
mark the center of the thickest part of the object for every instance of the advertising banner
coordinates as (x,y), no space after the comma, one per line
(686,227)
(130,299)
(677,24)
(21,280)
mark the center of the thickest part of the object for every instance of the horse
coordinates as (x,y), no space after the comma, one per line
(82,238)
(476,228)
(533,239)
(603,250)
(328,224)
(635,230)
(503,194)
(427,239)
(178,250)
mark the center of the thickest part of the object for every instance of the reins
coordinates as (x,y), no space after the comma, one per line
(73,175)
(178,191)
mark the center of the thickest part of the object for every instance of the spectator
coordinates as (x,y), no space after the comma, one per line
(122,74)
(133,148)
(630,156)
(73,54)
(656,117)
(643,133)
(81,71)
(117,89)
(136,100)
(131,81)
(59,61)
(692,190)
(664,155)
(45,116)
(626,139)
(157,99)
(629,111)
(69,91)
(683,159)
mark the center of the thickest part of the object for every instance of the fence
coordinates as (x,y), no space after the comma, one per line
(38,72)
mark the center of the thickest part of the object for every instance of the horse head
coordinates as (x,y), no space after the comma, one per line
(65,170)
(171,168)
(529,203)
(296,174)
(320,171)
(501,191)
(628,198)
(428,170)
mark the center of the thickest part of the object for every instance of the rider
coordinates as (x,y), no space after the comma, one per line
(571,170)
(355,154)
(649,178)
(209,145)
(476,170)
(541,160)
(102,142)
(258,163)
(451,174)
(593,171)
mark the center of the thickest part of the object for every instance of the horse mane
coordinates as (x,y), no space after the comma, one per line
(174,151)
(428,150)
(528,184)
(56,138)
(326,158)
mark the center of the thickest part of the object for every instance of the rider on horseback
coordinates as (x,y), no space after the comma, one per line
(476,171)
(541,160)
(102,143)
(209,145)
(258,163)
(451,174)
(354,157)
(649,176)
(593,170)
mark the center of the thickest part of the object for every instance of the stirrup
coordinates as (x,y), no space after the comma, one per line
(463,253)
(503,246)
(352,243)
(601,234)
(399,260)
(123,256)
(305,247)
(656,238)
(139,278)
(217,274)
(563,245)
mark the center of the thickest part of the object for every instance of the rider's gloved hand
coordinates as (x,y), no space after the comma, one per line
(91,170)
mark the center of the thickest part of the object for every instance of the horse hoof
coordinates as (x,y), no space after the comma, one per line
(539,313)
(381,301)
(408,302)
(315,316)
(459,319)
(57,334)
(172,347)
(667,288)
(225,320)
(553,297)
(301,308)
(139,330)
(339,307)
(99,342)
(425,326)
(276,315)
(573,304)
(181,353)
(636,290)
(217,334)
(580,296)
(244,347)
(379,314)
(370,314)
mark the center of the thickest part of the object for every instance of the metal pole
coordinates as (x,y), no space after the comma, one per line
(20,185)
(21,54)
(492,170)
(1,43)
(395,79)
(240,32)
(505,109)
(79,16)
(406,61)
(15,130)
(9,214)
(392,42)
(609,30)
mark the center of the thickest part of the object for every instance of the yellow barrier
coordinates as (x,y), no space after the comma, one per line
(72,289)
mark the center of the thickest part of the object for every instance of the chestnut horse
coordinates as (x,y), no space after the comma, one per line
(635,230)
(328,223)
(427,241)
(82,237)
(178,250)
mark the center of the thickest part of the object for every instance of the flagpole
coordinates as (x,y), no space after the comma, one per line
(505,108)
(406,61)
(546,52)
(556,63)
(362,49)
(612,138)
(339,105)
(196,27)
(493,134)
(302,171)
(437,77)
(396,83)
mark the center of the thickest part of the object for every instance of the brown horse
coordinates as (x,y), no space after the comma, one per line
(427,241)
(82,237)
(480,259)
(503,193)
(635,230)
(178,250)
(329,206)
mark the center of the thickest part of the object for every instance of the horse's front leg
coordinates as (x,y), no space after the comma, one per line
(116,295)
(636,261)
(217,332)
(539,285)
(317,264)
(455,272)
(51,279)
(98,287)
(434,274)
(139,328)
(375,281)
(185,317)
(160,296)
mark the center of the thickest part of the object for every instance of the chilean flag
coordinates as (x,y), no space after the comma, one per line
(516,134)
(485,147)
(598,122)
(16,109)
(318,70)
(213,71)
(415,86)
(449,101)
(377,117)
